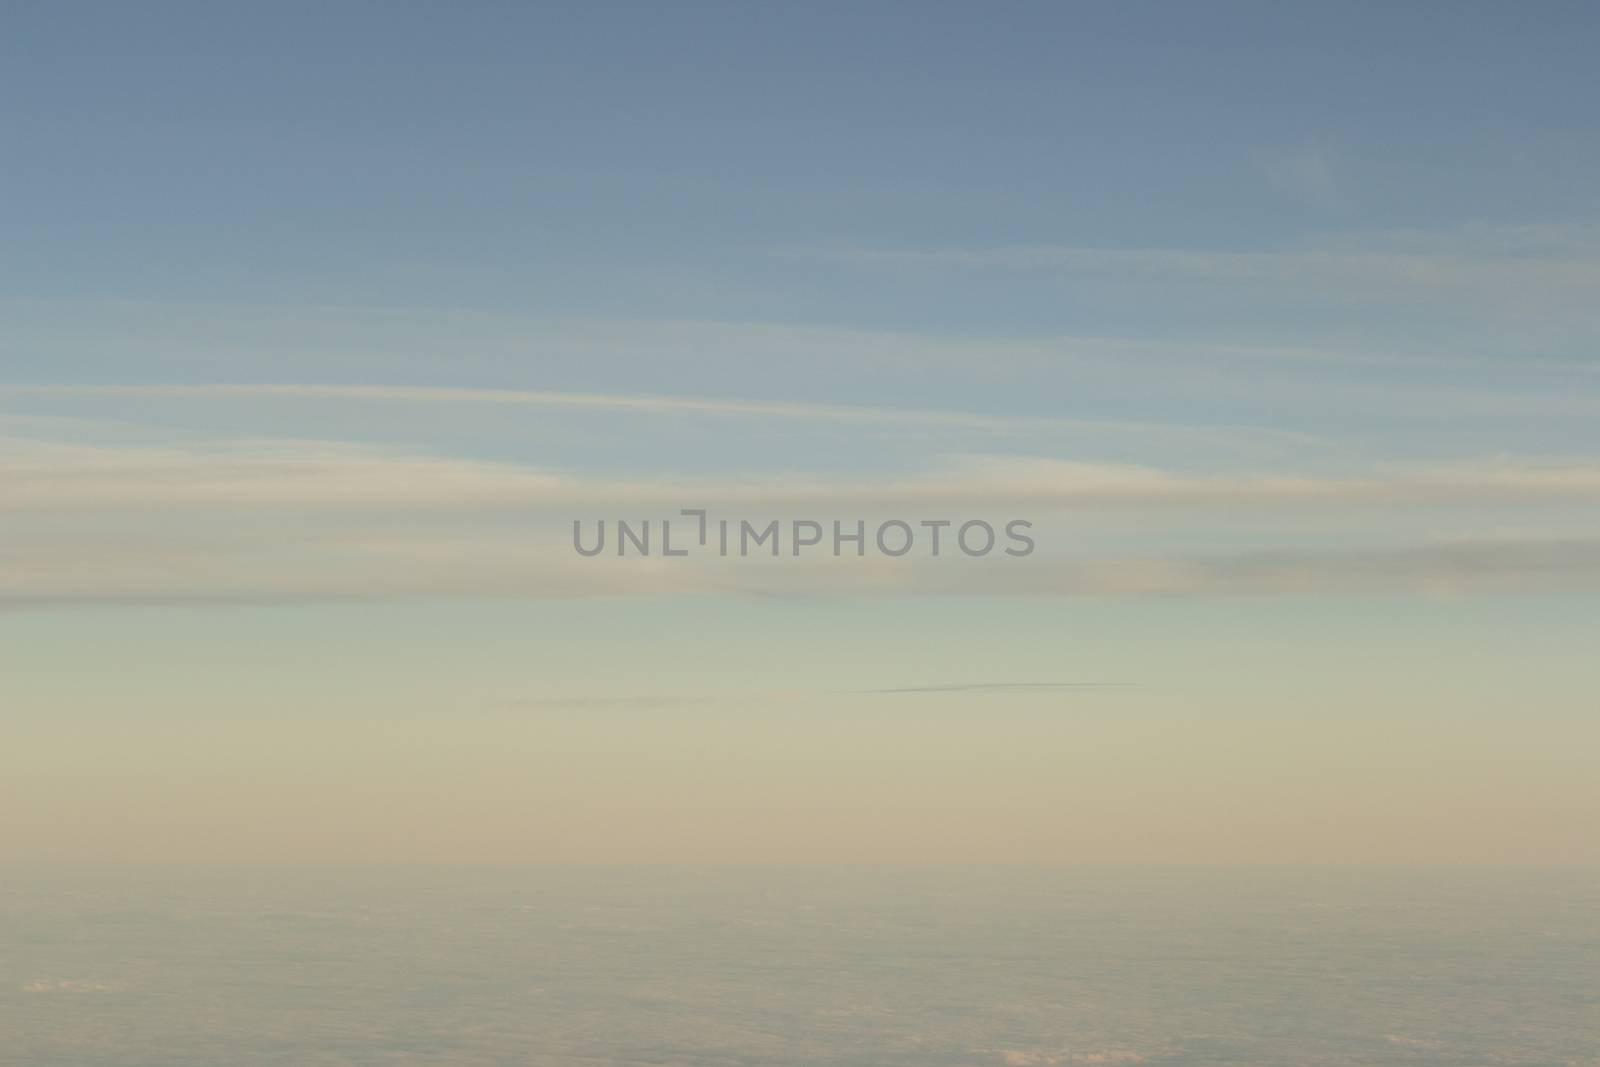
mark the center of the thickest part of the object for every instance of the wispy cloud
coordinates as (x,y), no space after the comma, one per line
(600,700)
(67,985)
(1376,275)
(319,520)
(522,398)
(295,475)
(1004,425)
(1506,270)
(979,687)
(1306,174)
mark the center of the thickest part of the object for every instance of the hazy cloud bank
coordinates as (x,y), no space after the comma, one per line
(251,521)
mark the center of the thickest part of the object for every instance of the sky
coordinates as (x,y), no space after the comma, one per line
(323,324)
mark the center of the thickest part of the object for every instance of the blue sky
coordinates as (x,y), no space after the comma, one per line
(1385,188)
(1278,321)
(510,158)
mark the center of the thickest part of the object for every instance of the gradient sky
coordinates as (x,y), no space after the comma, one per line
(321,323)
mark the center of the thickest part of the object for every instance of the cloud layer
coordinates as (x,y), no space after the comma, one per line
(275,520)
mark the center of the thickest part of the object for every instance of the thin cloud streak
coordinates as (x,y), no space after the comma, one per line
(653,700)
(1499,270)
(979,687)
(271,521)
(542,398)
(291,475)
(335,567)
(1002,425)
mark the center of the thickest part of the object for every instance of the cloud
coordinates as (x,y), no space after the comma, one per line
(222,340)
(600,700)
(1483,269)
(869,416)
(1305,173)
(306,520)
(993,687)
(621,402)
(39,476)
(281,474)
(1024,1058)
(66,985)
(1379,276)
(330,568)
(1443,568)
